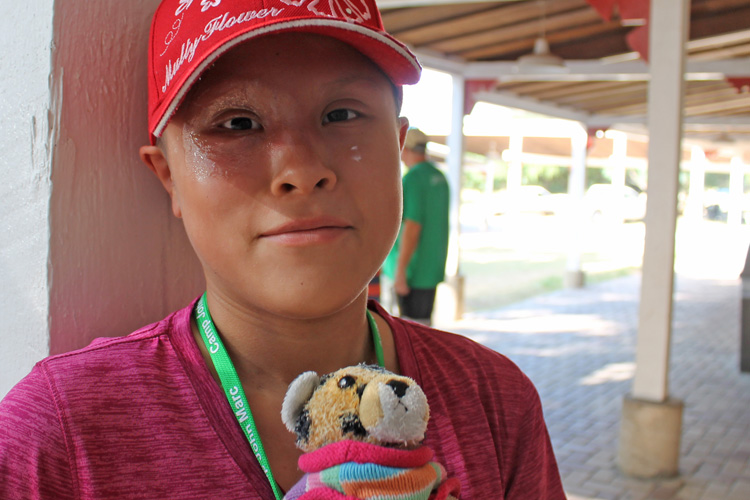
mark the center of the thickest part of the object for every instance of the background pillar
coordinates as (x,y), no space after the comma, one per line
(642,434)
(617,162)
(449,302)
(694,203)
(577,216)
(736,191)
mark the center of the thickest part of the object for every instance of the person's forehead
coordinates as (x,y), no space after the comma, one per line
(264,61)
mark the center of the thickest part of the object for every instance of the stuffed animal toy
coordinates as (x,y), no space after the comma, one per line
(362,428)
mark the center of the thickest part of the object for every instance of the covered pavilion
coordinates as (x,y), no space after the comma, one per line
(674,70)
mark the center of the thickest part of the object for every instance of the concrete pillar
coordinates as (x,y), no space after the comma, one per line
(736,190)
(617,163)
(668,27)
(515,163)
(93,249)
(650,437)
(449,303)
(577,216)
(492,161)
(493,157)
(694,203)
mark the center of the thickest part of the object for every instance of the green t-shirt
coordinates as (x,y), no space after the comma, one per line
(426,202)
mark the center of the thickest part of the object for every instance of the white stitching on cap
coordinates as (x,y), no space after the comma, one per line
(162,123)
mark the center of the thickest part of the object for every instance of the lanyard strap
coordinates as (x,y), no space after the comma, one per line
(232,386)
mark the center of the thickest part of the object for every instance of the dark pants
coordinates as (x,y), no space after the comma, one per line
(417,304)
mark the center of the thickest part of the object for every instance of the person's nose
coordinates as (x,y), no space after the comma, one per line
(299,166)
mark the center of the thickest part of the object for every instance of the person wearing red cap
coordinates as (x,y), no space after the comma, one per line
(274,128)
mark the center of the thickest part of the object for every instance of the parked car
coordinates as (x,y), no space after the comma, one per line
(717,203)
(610,202)
(526,199)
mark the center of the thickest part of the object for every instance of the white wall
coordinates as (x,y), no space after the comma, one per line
(89,247)
(25,37)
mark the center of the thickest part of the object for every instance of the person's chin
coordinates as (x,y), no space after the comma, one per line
(315,302)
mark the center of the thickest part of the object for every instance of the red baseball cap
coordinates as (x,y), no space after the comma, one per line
(187,36)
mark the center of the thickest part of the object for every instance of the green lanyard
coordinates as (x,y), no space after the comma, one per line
(232,386)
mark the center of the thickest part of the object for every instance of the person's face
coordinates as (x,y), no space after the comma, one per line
(283,163)
(410,158)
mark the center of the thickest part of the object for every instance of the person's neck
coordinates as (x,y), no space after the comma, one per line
(272,350)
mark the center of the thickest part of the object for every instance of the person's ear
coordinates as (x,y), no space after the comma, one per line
(156,160)
(403,123)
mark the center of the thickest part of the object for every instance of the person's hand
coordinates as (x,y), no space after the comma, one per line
(400,285)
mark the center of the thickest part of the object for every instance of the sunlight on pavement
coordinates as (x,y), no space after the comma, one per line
(583,324)
(613,372)
(707,249)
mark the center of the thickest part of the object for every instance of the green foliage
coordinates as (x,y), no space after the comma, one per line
(473,179)
(552,177)
(597,175)
(716,180)
(476,178)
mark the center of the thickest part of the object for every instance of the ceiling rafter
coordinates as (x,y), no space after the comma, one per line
(404,20)
(582,90)
(604,81)
(555,39)
(477,39)
(511,16)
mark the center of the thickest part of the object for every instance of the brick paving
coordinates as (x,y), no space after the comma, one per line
(578,346)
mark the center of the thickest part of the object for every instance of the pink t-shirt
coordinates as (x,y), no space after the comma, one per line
(141,417)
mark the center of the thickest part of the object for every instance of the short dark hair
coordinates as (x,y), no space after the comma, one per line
(419,148)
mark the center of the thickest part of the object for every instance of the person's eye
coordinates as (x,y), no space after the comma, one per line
(240,123)
(339,115)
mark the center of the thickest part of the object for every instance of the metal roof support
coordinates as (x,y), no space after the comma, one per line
(651,420)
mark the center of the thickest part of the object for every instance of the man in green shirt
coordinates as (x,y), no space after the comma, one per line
(416,264)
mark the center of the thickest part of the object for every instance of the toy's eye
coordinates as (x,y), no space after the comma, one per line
(346,381)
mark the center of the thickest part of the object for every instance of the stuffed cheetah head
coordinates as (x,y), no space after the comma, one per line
(362,403)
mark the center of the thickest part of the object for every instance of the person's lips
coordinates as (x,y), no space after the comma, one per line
(307,231)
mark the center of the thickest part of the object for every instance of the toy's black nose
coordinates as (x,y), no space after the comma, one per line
(399,388)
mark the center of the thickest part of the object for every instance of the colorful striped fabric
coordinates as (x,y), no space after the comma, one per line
(387,480)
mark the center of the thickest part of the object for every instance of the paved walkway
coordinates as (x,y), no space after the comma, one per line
(578,347)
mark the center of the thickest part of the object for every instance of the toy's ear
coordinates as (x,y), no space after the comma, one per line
(297,395)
